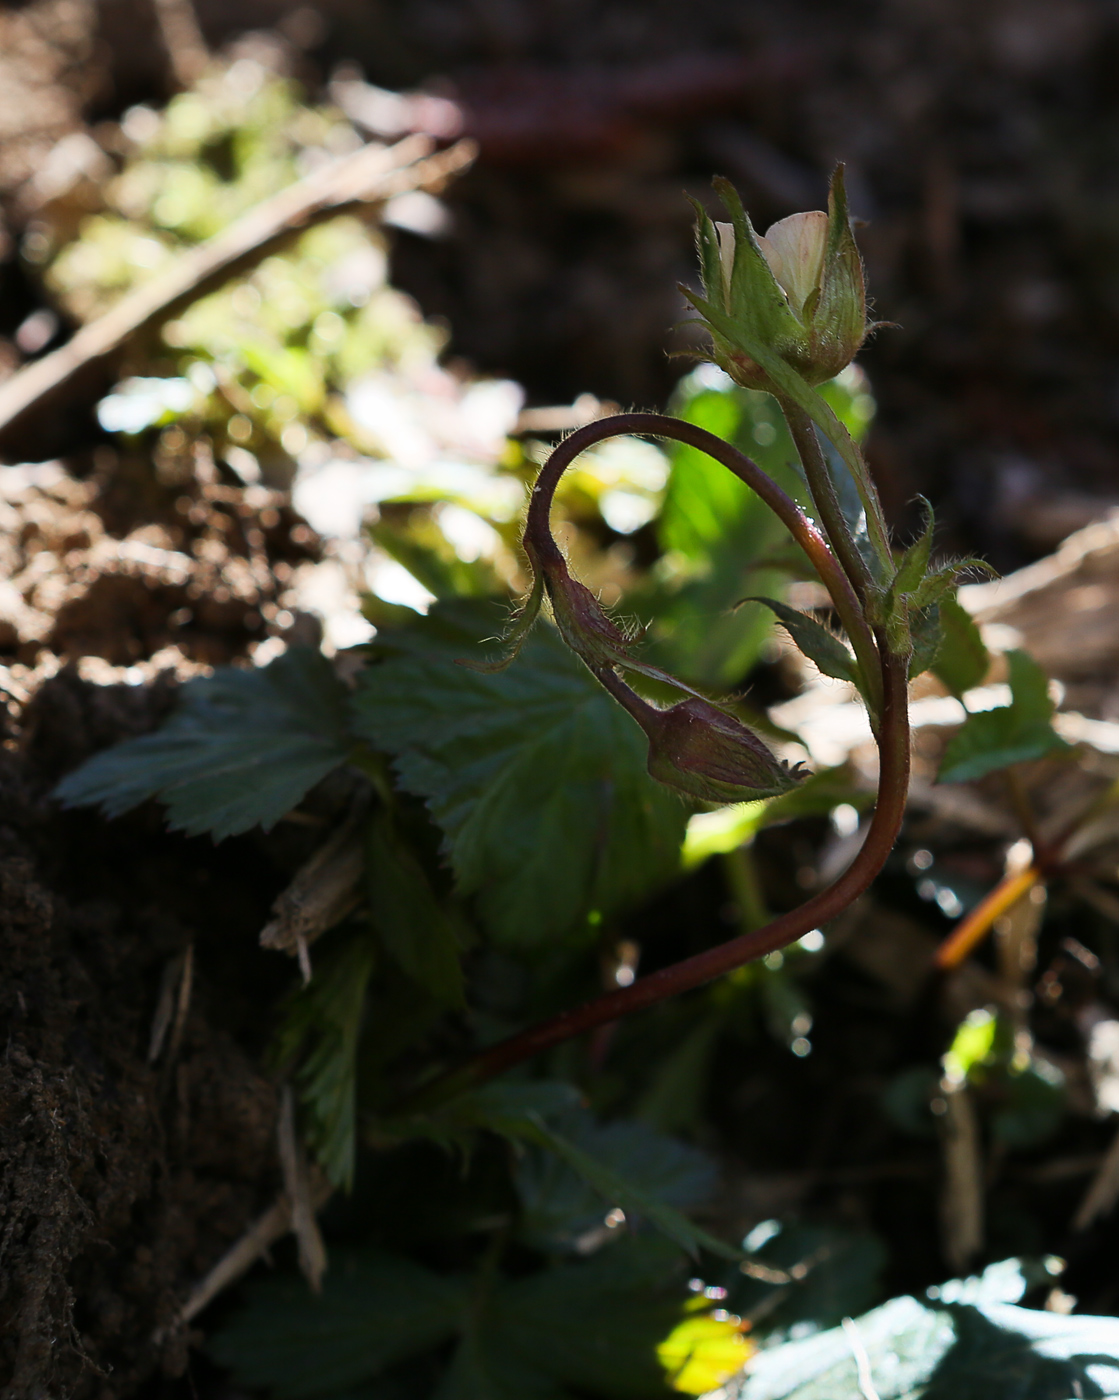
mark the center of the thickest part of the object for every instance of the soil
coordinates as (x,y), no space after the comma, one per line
(124,1175)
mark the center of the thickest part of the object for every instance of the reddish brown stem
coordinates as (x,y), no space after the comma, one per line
(893,784)
(803,530)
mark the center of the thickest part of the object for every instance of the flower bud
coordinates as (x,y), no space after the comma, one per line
(701,750)
(797,292)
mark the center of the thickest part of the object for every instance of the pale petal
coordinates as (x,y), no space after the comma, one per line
(794,248)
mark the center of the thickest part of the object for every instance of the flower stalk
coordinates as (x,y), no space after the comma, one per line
(786,311)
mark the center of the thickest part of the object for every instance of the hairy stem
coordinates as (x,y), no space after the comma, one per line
(804,531)
(892,736)
(822,489)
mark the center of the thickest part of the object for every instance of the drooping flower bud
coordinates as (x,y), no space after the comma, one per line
(797,292)
(703,751)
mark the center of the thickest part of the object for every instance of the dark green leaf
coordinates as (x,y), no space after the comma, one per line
(535,775)
(319,1037)
(835,1272)
(242,749)
(963,660)
(559,1205)
(924,628)
(374,1310)
(635,1200)
(413,925)
(821,647)
(1014,733)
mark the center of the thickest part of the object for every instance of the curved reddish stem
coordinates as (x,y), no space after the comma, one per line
(805,532)
(892,736)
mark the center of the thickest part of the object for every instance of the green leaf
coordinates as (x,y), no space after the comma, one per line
(536,777)
(590,1327)
(959,1351)
(414,927)
(914,563)
(374,1310)
(242,749)
(634,1199)
(963,660)
(924,629)
(559,1205)
(319,1034)
(815,641)
(1016,733)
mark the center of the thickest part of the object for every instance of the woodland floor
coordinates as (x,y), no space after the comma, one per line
(982,155)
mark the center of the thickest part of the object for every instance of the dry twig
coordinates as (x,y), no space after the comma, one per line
(370,175)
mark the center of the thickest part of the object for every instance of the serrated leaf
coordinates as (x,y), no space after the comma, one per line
(1016,733)
(963,660)
(559,1205)
(536,777)
(587,1327)
(242,749)
(318,1038)
(989,1351)
(618,1190)
(413,925)
(821,647)
(374,1310)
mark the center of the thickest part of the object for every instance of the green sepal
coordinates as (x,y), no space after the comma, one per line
(914,564)
(821,647)
(926,635)
(786,382)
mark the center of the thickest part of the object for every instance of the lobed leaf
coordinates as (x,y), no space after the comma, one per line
(241,750)
(536,777)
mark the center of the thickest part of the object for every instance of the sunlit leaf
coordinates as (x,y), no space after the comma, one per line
(242,748)
(1014,733)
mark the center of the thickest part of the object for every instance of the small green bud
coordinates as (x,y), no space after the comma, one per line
(797,291)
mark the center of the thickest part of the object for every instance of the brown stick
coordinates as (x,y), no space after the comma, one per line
(369,175)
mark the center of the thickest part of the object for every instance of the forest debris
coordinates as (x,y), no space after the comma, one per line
(373,173)
(1102,1192)
(1063,607)
(961,1201)
(322,893)
(862,1360)
(173,1003)
(297,1184)
(259,1237)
